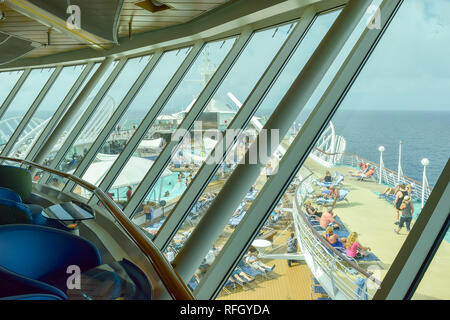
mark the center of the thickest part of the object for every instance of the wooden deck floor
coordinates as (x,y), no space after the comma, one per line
(288,284)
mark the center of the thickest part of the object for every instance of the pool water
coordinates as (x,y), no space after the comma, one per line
(169,183)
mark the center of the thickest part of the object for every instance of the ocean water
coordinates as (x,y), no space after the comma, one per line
(424,134)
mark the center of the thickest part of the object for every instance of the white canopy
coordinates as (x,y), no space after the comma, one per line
(151,144)
(131,175)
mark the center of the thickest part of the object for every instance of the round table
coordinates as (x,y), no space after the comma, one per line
(261,243)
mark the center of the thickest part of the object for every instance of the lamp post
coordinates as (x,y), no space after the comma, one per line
(381,149)
(425,162)
(399,170)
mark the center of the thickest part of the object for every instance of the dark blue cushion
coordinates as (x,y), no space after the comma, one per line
(13,284)
(17,179)
(12,212)
(9,194)
(43,254)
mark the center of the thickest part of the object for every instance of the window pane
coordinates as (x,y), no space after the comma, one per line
(171,116)
(217,116)
(8,80)
(265,109)
(52,153)
(23,101)
(103,112)
(435,283)
(340,186)
(142,103)
(47,108)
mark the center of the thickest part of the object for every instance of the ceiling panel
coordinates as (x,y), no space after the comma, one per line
(181,11)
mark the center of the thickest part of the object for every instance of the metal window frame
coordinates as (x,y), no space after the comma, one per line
(216,217)
(80,125)
(31,110)
(295,156)
(183,207)
(60,111)
(149,119)
(213,26)
(201,102)
(419,248)
(73,110)
(115,118)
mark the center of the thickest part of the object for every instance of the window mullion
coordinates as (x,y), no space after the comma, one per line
(111,124)
(217,216)
(207,93)
(148,121)
(79,126)
(27,117)
(273,190)
(59,112)
(420,246)
(205,174)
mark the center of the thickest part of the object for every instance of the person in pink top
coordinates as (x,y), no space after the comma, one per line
(354,248)
(327,218)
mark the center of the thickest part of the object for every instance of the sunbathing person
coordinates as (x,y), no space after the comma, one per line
(354,248)
(390,191)
(333,194)
(311,210)
(253,261)
(333,238)
(327,218)
(241,277)
(364,174)
(363,168)
(327,177)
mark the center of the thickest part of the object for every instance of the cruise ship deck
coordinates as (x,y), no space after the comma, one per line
(368,214)
(168,149)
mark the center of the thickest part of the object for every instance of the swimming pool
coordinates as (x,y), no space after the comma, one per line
(169,183)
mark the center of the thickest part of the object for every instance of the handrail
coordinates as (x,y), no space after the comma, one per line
(172,281)
(328,245)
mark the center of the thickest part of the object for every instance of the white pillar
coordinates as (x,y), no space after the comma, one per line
(380,173)
(399,169)
(424,162)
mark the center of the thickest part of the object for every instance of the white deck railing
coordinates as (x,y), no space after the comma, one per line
(336,273)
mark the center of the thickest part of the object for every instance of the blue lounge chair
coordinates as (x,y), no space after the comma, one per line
(342,196)
(16,179)
(8,194)
(35,259)
(12,212)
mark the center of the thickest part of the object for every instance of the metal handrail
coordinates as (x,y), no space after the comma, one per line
(327,244)
(171,280)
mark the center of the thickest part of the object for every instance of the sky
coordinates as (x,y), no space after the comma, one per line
(409,70)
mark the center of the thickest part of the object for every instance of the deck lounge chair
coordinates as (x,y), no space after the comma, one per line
(342,196)
(366,177)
